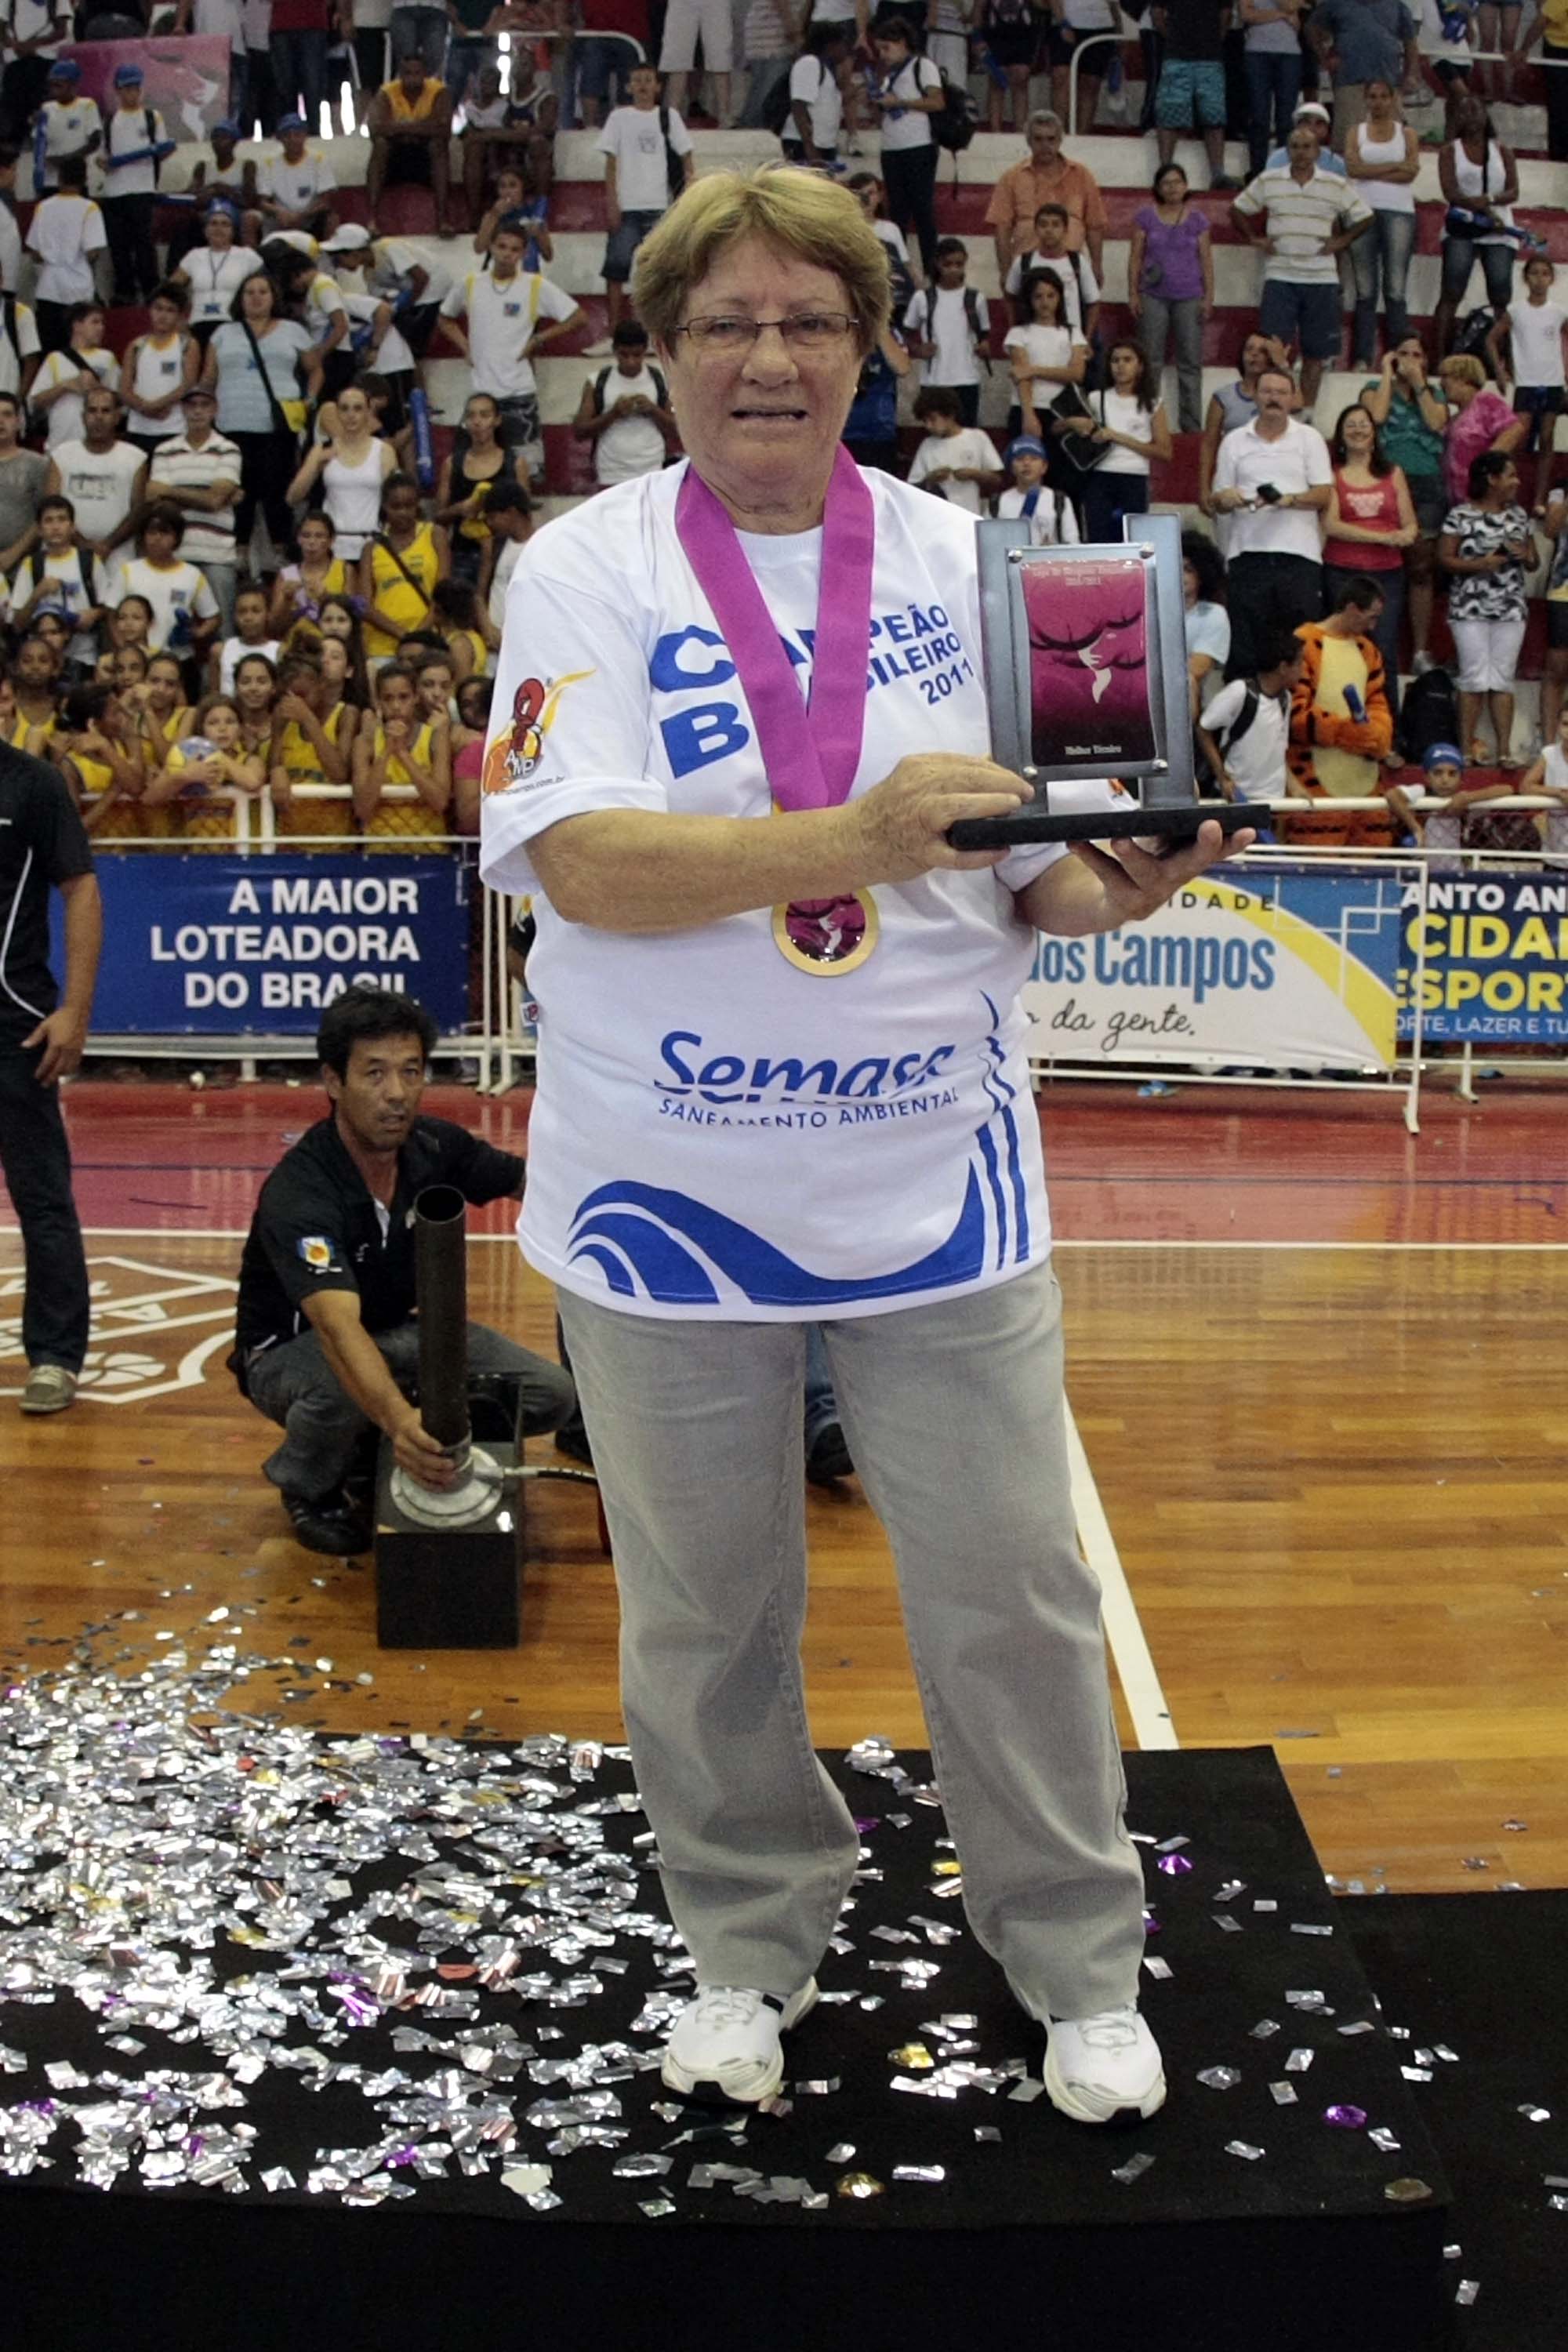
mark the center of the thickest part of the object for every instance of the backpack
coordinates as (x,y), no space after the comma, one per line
(956,120)
(37,560)
(1428,713)
(674,165)
(778,107)
(1471,331)
(602,379)
(1251,703)
(975,311)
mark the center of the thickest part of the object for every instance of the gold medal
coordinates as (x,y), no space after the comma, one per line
(826,937)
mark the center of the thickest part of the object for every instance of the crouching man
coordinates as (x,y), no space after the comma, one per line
(328,1346)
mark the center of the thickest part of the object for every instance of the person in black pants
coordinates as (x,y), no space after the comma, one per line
(43,848)
(905,94)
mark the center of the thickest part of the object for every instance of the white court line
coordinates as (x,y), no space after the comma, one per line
(1220,1242)
(1146,1702)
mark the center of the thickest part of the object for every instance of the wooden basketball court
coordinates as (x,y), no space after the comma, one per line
(1318,1369)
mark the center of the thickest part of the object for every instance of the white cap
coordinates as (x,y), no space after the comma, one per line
(353,237)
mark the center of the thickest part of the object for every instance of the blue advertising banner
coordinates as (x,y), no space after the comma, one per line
(1253,964)
(1497,959)
(219,946)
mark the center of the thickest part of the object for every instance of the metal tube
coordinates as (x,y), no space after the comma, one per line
(442,1296)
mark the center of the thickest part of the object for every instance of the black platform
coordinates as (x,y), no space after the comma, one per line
(1029,2236)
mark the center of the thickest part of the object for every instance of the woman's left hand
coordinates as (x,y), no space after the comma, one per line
(1138,883)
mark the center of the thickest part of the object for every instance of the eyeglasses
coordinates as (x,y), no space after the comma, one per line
(803,331)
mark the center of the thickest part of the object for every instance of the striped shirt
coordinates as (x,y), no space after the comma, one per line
(208,537)
(1303,214)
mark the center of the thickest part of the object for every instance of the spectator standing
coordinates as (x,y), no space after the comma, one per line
(34,30)
(1047,176)
(68,125)
(1012,31)
(183,608)
(1383,162)
(906,91)
(1072,271)
(868,194)
(214,271)
(624,411)
(947,328)
(1170,287)
(1478,175)
(1488,547)
(24,474)
(65,232)
(1272,542)
(373,48)
(947,38)
(399,569)
(256,362)
(1191,95)
(18,346)
(955,459)
(1548,775)
(1041,349)
(44,848)
(157,369)
(102,476)
(1028,499)
(480,463)
(1412,417)
(1364,40)
(472,26)
(10,234)
(1315,119)
(198,471)
(645,146)
(1550,27)
(293,186)
(60,576)
(871,427)
(352,467)
(601,55)
(810,135)
(410,123)
(685,22)
(768,46)
(1371,523)
(1342,727)
(1071,23)
(135,144)
(421,30)
(263,101)
(1273,65)
(509,313)
(1205,620)
(63,376)
(1128,418)
(509,511)
(301,38)
(1245,732)
(1300,218)
(1478,420)
(1533,331)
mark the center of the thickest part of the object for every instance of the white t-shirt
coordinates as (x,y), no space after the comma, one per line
(225,19)
(10,248)
(1299,460)
(500,316)
(216,277)
(298,187)
(160,369)
(64,415)
(26,347)
(234,650)
(1535,333)
(82,583)
(634,445)
(1258,763)
(324,306)
(393,355)
(816,88)
(953,359)
(1123,414)
(98,483)
(67,129)
(63,232)
(968,446)
(125,133)
(180,592)
(500,579)
(633,137)
(893,238)
(392,268)
(1079,287)
(1047,527)
(719,1131)
(1047,347)
(908,126)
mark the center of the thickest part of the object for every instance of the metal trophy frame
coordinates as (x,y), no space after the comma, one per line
(1166,805)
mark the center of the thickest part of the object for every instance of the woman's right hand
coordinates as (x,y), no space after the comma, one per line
(900,824)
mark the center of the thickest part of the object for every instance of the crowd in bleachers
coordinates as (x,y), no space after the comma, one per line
(239,575)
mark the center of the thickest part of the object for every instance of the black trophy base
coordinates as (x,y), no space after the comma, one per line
(1118,823)
(447,1588)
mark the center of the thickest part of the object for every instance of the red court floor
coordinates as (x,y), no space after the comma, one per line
(1202,1164)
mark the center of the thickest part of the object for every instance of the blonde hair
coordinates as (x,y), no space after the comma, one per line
(1466,367)
(806,215)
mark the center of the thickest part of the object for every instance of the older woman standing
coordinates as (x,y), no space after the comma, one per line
(782,1082)
(1488,546)
(1478,419)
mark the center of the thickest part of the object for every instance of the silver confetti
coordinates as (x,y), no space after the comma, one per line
(1134,2169)
(1283,2094)
(1220,2078)
(1244,2148)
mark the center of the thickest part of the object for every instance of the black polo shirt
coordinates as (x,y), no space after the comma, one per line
(317,1226)
(42,844)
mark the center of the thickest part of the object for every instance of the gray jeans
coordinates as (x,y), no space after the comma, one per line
(294,1385)
(1159,320)
(954,1414)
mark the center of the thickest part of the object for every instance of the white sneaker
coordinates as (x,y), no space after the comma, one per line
(50,1389)
(600,349)
(728,2040)
(1100,2067)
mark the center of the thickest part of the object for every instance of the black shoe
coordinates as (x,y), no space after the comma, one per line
(827,1456)
(1218,186)
(329,1524)
(571,1439)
